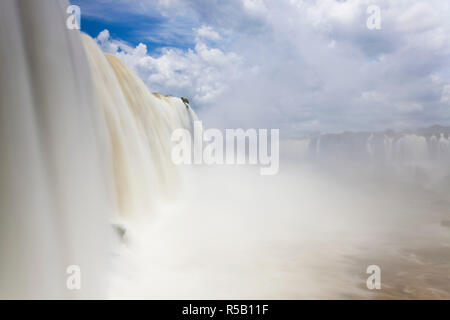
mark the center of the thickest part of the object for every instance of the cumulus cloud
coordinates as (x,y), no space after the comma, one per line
(304,66)
(201,73)
(206,32)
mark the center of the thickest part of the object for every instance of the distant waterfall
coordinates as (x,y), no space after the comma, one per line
(412,149)
(82,141)
(426,150)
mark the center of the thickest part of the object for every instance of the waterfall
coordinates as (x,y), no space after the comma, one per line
(422,155)
(444,148)
(412,149)
(387,147)
(139,124)
(82,142)
(399,148)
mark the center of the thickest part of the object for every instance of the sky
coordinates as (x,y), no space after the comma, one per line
(301,66)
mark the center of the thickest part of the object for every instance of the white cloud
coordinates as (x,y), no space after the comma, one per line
(419,16)
(445,97)
(255,7)
(197,73)
(111,46)
(409,107)
(305,66)
(206,32)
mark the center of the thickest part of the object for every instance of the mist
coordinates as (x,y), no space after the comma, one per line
(308,232)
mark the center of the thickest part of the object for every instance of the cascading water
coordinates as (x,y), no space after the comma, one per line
(54,194)
(82,141)
(140,124)
(427,150)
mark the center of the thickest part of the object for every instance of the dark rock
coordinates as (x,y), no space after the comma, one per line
(120,230)
(186,101)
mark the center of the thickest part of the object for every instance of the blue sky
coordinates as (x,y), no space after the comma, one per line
(125,30)
(135,27)
(302,66)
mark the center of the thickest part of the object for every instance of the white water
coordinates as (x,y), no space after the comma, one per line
(297,235)
(54,200)
(84,143)
(140,125)
(401,149)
